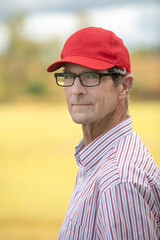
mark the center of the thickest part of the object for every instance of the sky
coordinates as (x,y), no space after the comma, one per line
(136,22)
(30,6)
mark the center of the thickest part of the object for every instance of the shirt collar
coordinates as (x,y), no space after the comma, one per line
(89,156)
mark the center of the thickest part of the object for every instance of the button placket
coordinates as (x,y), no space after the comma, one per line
(80,179)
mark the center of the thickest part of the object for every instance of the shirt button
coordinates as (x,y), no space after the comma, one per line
(89,172)
(80,179)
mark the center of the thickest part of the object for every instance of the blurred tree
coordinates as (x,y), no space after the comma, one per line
(17,60)
(23,65)
(145,67)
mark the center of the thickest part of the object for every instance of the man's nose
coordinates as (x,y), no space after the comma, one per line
(77,87)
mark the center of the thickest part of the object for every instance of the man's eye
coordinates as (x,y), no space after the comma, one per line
(68,76)
(92,75)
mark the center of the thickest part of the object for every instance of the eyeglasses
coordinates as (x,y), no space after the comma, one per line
(87,79)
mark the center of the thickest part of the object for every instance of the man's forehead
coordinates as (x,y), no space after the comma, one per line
(75,68)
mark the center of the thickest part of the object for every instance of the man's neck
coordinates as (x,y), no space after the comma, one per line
(92,130)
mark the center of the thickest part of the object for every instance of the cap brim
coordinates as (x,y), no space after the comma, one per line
(83,61)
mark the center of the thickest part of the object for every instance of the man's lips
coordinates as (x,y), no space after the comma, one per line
(81,104)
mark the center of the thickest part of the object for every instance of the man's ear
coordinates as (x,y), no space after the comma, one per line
(126,85)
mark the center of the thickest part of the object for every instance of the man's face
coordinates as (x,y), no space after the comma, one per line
(89,104)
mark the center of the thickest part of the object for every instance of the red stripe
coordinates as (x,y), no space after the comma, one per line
(131,157)
(96,203)
(120,194)
(117,203)
(115,222)
(107,207)
(74,232)
(158,195)
(150,167)
(83,212)
(140,165)
(153,173)
(128,210)
(120,157)
(127,151)
(148,227)
(142,225)
(136,162)
(77,152)
(149,198)
(134,211)
(103,219)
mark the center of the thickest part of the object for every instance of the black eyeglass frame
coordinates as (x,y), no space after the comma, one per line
(79,76)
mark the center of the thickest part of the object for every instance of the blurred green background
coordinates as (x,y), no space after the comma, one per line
(37,135)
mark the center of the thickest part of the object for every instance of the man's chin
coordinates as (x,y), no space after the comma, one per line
(80,119)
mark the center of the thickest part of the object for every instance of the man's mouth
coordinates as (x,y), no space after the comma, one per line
(81,104)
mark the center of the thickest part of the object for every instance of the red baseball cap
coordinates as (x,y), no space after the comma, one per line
(94,48)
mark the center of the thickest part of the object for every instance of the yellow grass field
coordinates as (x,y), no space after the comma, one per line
(37,166)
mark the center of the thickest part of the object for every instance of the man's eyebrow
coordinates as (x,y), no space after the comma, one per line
(91,71)
(67,72)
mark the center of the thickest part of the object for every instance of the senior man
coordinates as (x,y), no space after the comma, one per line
(117,191)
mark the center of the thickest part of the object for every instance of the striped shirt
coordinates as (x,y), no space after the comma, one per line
(117,191)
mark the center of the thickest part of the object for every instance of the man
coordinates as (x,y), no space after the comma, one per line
(117,191)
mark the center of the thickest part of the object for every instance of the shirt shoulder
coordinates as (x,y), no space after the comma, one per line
(128,161)
(135,163)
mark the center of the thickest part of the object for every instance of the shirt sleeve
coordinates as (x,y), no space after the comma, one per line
(128,211)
